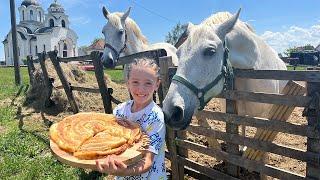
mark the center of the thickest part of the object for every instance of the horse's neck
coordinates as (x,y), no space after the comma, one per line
(134,44)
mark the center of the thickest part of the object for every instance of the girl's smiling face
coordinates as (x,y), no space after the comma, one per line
(142,83)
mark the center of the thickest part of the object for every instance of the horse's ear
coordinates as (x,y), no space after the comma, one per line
(105,12)
(189,27)
(185,34)
(227,26)
(125,15)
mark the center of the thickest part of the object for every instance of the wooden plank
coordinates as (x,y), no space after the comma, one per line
(149,54)
(65,83)
(99,73)
(172,147)
(270,98)
(48,81)
(285,127)
(251,165)
(165,63)
(233,129)
(31,69)
(279,113)
(209,172)
(129,156)
(299,154)
(310,76)
(84,89)
(78,58)
(92,90)
(313,145)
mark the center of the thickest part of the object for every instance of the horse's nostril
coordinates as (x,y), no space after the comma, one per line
(177,114)
(108,63)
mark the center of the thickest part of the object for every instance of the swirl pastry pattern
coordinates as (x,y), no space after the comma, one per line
(93,135)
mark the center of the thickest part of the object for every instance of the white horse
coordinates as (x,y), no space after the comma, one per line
(123,37)
(201,63)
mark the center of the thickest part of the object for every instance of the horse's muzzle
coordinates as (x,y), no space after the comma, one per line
(175,118)
(108,62)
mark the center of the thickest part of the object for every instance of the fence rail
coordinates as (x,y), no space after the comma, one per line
(310,76)
(232,156)
(263,123)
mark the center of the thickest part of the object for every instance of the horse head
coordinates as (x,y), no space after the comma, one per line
(201,72)
(115,36)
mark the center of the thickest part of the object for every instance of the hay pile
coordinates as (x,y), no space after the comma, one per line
(38,91)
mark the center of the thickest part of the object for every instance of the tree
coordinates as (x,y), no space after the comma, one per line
(173,36)
(297,49)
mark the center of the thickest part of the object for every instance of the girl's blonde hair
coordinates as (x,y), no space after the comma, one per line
(142,63)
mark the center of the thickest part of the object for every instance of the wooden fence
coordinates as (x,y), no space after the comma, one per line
(232,138)
(68,87)
(181,164)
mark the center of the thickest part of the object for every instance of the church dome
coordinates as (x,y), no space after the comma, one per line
(55,7)
(29,2)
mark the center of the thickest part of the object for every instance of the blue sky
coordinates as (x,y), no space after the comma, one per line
(282,23)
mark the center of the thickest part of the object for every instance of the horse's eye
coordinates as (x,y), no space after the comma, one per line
(121,31)
(209,51)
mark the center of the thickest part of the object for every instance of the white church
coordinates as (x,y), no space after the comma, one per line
(38,32)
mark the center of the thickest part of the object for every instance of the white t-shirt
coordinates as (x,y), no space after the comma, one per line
(151,121)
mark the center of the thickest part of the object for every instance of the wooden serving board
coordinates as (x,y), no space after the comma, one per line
(130,156)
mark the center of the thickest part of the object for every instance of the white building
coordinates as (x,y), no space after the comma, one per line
(38,32)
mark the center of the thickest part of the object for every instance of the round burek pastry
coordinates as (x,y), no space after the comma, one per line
(94,135)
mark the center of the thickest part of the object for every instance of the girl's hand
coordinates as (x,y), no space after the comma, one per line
(122,121)
(111,165)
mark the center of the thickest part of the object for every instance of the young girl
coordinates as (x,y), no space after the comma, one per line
(142,81)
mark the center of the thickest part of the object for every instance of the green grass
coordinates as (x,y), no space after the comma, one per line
(298,68)
(115,74)
(24,147)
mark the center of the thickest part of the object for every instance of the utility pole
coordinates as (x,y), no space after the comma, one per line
(14,43)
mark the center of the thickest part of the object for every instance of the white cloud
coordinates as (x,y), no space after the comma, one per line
(292,37)
(79,20)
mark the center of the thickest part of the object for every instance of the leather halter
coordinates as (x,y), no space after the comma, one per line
(226,72)
(121,50)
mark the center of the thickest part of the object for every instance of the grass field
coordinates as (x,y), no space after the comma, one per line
(25,152)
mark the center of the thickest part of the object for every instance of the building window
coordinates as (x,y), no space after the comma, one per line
(63,23)
(44,48)
(31,15)
(22,15)
(18,51)
(65,50)
(51,23)
(36,49)
(40,18)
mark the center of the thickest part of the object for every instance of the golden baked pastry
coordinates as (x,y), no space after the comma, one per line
(92,135)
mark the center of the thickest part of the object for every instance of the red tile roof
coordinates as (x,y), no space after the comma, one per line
(97,45)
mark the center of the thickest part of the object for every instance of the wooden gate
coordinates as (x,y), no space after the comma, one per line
(232,156)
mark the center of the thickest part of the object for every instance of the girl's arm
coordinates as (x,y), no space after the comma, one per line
(112,165)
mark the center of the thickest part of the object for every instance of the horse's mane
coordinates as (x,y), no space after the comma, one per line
(114,19)
(221,17)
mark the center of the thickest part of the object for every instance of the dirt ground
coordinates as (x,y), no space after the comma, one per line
(35,114)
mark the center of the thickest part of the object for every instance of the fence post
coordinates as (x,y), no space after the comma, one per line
(177,171)
(65,84)
(98,69)
(313,117)
(48,82)
(232,129)
(31,69)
